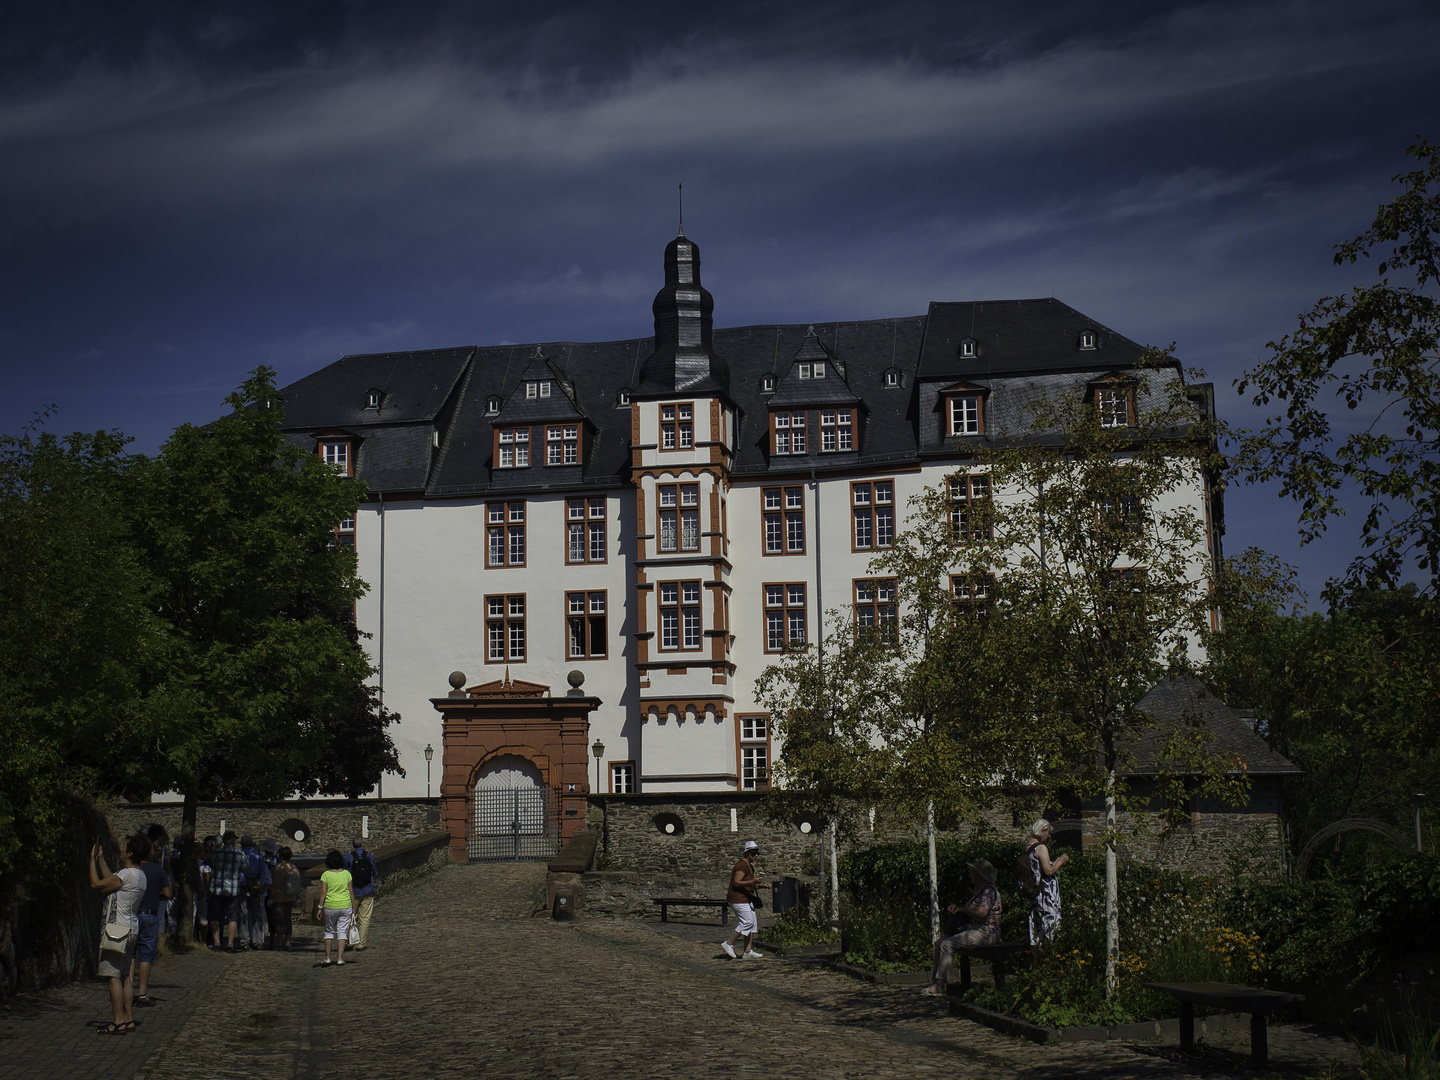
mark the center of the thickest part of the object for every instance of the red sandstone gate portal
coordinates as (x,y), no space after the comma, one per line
(515,770)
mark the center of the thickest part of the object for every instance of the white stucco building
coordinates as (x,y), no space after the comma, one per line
(665,513)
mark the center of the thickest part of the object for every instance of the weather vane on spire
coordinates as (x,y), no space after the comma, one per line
(681,189)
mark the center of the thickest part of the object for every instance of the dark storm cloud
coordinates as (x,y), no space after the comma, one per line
(190,189)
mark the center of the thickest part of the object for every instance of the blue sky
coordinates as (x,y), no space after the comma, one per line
(188,190)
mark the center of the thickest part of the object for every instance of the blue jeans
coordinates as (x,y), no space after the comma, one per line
(149,944)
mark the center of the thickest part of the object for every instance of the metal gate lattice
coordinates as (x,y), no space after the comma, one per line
(515,825)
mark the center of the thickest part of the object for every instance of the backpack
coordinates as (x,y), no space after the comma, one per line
(1025,877)
(362,871)
(257,873)
(294,884)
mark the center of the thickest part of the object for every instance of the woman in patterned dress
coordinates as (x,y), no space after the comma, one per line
(1045,906)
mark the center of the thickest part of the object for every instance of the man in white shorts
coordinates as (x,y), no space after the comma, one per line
(741,897)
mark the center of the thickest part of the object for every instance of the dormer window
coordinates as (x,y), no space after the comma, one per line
(622,399)
(336,454)
(767,384)
(1087,339)
(512,448)
(964,410)
(893,379)
(804,370)
(968,347)
(539,389)
(819,369)
(492,405)
(1115,406)
(372,400)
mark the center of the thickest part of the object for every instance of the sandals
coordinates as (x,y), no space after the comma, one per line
(144,1001)
(935,990)
(116,1029)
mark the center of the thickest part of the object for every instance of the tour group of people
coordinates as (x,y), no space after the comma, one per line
(244,897)
(976,922)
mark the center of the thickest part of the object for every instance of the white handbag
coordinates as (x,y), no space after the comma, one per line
(352,935)
(115,936)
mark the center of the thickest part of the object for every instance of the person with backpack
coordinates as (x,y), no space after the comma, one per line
(257,882)
(1036,879)
(285,890)
(366,878)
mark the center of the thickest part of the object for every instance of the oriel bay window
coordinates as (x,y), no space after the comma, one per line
(512,448)
(505,534)
(680,625)
(784,520)
(562,444)
(837,429)
(873,507)
(585,620)
(677,426)
(875,610)
(505,629)
(789,432)
(585,530)
(970,507)
(679,524)
(785,622)
(754,752)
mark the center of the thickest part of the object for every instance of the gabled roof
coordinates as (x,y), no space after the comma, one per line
(1015,336)
(1183,700)
(416,386)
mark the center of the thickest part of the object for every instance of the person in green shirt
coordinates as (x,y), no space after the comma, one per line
(338,907)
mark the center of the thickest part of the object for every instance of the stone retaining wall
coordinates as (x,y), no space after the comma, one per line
(331,823)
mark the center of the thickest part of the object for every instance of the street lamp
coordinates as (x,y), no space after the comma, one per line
(429,756)
(599,751)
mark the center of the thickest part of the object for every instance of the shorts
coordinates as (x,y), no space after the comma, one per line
(149,947)
(744,918)
(337,922)
(227,909)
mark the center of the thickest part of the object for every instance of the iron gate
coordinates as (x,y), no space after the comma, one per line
(515,825)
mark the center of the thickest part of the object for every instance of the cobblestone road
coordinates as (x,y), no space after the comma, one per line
(461,981)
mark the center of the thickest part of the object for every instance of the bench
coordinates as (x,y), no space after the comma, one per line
(1258,1003)
(667,902)
(997,956)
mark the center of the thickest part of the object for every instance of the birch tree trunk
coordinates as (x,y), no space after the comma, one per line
(834,875)
(934,875)
(1112,888)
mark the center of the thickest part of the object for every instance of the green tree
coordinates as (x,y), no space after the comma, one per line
(1376,346)
(1033,623)
(237,525)
(79,639)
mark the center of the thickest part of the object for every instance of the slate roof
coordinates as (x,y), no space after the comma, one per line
(1024,348)
(1184,700)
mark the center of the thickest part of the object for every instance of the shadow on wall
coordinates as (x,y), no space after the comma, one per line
(50,930)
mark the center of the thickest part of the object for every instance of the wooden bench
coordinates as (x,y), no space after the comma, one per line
(667,902)
(1258,1003)
(997,955)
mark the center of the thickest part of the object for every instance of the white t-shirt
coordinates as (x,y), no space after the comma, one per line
(127,898)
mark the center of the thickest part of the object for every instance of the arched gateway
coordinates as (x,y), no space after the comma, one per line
(513,782)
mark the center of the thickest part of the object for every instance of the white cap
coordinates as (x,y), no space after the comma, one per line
(751,845)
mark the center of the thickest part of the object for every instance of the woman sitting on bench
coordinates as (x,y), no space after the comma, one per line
(983,912)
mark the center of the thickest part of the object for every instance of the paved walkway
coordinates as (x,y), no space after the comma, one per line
(461,981)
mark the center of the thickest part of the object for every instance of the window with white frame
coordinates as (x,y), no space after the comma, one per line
(585,617)
(680,617)
(836,430)
(967,414)
(512,448)
(970,508)
(789,431)
(345,532)
(622,778)
(678,526)
(1115,404)
(537,389)
(875,608)
(972,591)
(873,510)
(677,426)
(784,520)
(754,751)
(336,454)
(505,628)
(562,444)
(505,534)
(785,621)
(585,530)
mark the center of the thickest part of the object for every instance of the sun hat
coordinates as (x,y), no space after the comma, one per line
(751,845)
(985,870)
